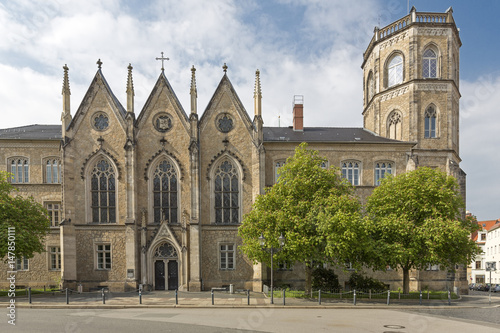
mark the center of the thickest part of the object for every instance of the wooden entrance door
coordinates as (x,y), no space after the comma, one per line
(173,275)
(159,275)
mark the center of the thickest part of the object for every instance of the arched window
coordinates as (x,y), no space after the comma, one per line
(226,193)
(394,126)
(381,169)
(19,167)
(52,171)
(395,70)
(277,166)
(350,171)
(429,64)
(103,192)
(165,193)
(430,122)
(370,87)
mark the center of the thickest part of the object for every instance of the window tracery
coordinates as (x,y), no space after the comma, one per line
(103,192)
(226,193)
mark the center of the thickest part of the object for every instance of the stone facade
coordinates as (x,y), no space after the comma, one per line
(156,199)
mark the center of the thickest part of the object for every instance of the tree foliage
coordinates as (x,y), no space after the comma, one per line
(313,207)
(362,282)
(27,216)
(414,220)
(325,279)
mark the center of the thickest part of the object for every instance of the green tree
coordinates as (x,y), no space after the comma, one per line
(414,220)
(313,207)
(26,216)
(325,279)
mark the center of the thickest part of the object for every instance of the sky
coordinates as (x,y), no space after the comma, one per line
(301,47)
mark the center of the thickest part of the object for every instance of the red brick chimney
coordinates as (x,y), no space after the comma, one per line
(298,113)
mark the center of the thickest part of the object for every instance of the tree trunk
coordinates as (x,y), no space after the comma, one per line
(308,286)
(406,280)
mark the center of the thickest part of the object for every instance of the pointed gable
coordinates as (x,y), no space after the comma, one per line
(223,98)
(162,88)
(99,84)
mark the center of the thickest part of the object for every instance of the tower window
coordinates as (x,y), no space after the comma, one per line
(395,70)
(429,64)
(394,126)
(370,86)
(430,122)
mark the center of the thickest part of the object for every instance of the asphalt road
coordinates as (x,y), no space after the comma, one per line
(244,320)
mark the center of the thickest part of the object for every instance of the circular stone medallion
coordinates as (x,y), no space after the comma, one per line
(100,121)
(224,122)
(163,122)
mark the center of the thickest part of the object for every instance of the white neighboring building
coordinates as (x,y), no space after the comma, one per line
(492,250)
(488,238)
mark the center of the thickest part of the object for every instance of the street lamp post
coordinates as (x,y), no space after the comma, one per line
(490,266)
(281,241)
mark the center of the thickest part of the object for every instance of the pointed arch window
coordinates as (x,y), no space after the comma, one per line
(165,184)
(370,86)
(429,64)
(19,167)
(381,170)
(350,171)
(395,70)
(430,122)
(103,192)
(394,126)
(226,193)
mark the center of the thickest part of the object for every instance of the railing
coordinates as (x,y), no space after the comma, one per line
(431,18)
(413,17)
(394,27)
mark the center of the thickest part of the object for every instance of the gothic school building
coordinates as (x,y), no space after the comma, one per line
(156,197)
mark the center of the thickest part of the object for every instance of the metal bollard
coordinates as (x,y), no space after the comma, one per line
(29,295)
(449,298)
(67,296)
(140,296)
(420,297)
(388,297)
(103,296)
(284,297)
(319,297)
(248,297)
(354,298)
(212,297)
(176,297)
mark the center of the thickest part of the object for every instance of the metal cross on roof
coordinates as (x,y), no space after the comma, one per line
(99,63)
(162,59)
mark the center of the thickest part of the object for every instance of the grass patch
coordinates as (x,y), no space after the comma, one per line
(395,295)
(24,292)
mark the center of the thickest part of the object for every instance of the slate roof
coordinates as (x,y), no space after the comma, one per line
(32,132)
(324,134)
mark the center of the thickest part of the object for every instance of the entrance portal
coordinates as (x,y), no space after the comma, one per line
(166,267)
